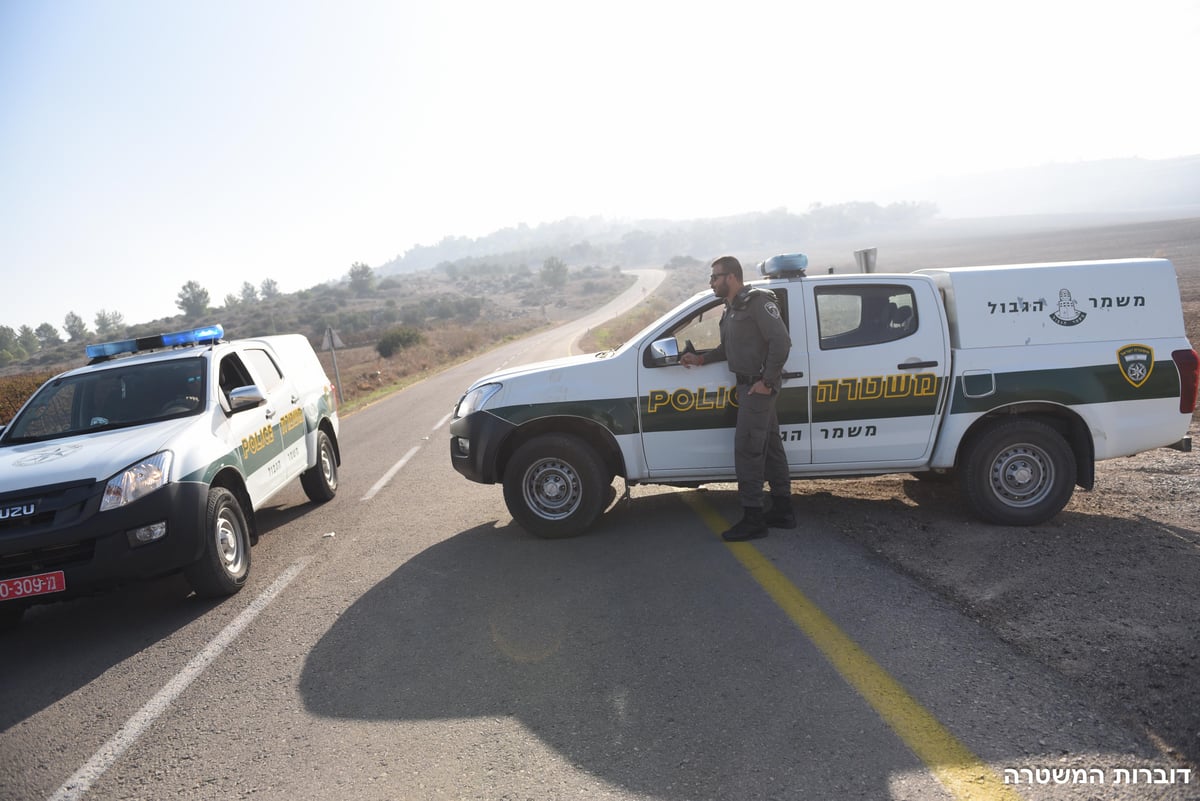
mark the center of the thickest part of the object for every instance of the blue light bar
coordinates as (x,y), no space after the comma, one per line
(193,336)
(784,264)
(112,348)
(209,333)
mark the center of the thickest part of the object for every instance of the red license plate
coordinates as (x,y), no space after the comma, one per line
(41,584)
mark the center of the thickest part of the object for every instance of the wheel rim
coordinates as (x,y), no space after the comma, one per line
(328,466)
(553,489)
(230,543)
(1022,475)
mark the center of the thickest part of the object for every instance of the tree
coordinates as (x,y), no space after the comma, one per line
(10,348)
(109,323)
(249,293)
(75,327)
(48,335)
(231,300)
(29,339)
(554,272)
(269,288)
(192,300)
(362,279)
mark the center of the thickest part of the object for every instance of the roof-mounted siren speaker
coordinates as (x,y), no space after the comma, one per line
(865,259)
(785,265)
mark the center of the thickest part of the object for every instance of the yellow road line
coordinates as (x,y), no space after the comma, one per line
(963,774)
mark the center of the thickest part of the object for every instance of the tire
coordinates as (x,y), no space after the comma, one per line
(225,564)
(320,481)
(1019,473)
(554,486)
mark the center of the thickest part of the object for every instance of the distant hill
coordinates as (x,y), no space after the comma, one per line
(595,241)
(1120,189)
(1117,186)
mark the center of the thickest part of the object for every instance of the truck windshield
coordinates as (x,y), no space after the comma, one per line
(118,397)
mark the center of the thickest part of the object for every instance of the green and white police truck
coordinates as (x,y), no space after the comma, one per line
(1015,378)
(153,458)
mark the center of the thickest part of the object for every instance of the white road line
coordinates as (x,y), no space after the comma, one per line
(76,786)
(443,421)
(390,474)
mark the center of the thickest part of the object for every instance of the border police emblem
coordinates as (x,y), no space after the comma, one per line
(1067,312)
(771,309)
(1136,363)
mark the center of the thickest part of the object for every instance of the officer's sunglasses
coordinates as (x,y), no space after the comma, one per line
(715,276)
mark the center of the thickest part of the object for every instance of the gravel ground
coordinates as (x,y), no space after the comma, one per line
(1104,594)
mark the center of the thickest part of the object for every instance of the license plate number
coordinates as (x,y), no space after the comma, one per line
(41,584)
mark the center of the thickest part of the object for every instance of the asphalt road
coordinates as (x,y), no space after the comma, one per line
(407,641)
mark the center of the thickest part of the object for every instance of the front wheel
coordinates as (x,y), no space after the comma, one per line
(554,486)
(225,564)
(321,480)
(1019,473)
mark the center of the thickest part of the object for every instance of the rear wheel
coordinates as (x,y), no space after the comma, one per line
(1019,473)
(225,564)
(321,480)
(554,486)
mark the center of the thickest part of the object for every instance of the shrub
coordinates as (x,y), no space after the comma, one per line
(397,339)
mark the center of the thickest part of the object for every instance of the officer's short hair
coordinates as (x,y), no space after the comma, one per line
(730,265)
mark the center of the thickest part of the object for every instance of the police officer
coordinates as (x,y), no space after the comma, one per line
(755,342)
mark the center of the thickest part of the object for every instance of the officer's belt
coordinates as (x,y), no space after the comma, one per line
(747,379)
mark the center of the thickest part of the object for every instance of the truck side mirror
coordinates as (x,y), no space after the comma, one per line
(249,397)
(664,352)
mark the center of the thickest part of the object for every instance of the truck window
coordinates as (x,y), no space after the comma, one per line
(852,315)
(125,395)
(264,367)
(703,328)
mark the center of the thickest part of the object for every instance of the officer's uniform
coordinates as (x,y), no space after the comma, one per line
(755,342)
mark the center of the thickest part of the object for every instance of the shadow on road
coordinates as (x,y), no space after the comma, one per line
(632,651)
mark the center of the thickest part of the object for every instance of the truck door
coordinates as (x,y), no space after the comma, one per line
(688,415)
(282,413)
(257,430)
(879,358)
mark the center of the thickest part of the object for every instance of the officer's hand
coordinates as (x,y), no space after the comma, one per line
(690,360)
(759,388)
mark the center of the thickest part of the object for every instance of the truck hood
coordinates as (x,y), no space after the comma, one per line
(93,456)
(566,363)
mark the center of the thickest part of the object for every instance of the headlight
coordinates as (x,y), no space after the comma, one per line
(137,480)
(476,399)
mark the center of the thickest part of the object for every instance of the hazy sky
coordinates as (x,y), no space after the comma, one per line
(145,143)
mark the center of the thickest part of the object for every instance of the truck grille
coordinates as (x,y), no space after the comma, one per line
(42,509)
(40,560)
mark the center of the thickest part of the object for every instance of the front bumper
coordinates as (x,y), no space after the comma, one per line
(476,445)
(93,548)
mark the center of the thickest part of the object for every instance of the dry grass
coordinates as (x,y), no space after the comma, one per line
(367,376)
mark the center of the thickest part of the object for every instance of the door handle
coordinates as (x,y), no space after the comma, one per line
(915,365)
(270,413)
(794,375)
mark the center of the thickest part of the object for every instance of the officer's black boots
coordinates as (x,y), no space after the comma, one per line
(752,526)
(781,514)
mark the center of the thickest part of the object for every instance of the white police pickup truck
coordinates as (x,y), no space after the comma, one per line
(153,459)
(1015,378)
